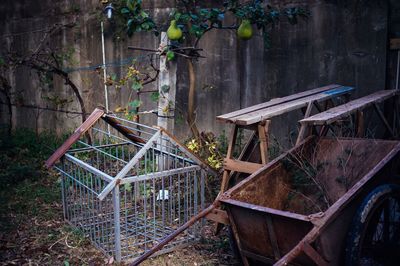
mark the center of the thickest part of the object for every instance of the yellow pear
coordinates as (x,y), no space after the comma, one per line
(174,33)
(245,31)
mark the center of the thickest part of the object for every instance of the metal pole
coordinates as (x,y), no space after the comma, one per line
(104,71)
(117,224)
(104,65)
(397,72)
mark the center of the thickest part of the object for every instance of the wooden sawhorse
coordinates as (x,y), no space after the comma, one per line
(257,118)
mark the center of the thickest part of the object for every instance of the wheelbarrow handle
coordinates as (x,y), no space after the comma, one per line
(175,234)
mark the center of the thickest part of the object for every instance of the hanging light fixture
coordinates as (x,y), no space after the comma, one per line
(108,10)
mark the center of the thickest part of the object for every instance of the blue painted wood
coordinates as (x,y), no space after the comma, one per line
(339,90)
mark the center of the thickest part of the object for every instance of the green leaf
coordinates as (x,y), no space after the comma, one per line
(177,16)
(145,26)
(128,187)
(155,96)
(165,88)
(131,4)
(136,103)
(137,86)
(66,263)
(204,12)
(170,56)
(125,10)
(194,17)
(144,14)
(196,30)
(185,18)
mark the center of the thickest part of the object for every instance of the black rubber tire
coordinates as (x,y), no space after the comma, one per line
(369,217)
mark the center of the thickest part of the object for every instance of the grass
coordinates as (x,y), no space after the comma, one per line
(32,230)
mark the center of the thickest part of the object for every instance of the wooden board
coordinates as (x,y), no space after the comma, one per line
(94,116)
(395,44)
(241,166)
(229,117)
(333,114)
(123,130)
(269,112)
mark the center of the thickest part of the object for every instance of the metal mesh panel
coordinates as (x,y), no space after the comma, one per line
(159,193)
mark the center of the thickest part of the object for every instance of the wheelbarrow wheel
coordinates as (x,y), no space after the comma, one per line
(374,235)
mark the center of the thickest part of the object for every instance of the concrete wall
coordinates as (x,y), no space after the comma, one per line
(343,42)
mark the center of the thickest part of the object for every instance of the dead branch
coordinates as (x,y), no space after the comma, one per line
(301,162)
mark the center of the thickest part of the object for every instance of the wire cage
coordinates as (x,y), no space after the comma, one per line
(127,186)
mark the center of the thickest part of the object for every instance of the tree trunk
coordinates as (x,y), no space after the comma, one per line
(6,92)
(191,119)
(76,92)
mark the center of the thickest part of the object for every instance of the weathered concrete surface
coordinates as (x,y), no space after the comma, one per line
(343,42)
(393,32)
(340,43)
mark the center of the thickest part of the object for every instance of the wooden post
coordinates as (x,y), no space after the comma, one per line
(263,133)
(304,127)
(166,89)
(167,92)
(360,124)
(231,146)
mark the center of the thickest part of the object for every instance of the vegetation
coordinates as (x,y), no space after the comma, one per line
(32,230)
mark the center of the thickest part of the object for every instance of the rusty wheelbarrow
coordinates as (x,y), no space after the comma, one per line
(301,206)
(327,201)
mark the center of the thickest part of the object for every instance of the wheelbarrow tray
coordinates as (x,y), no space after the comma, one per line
(286,211)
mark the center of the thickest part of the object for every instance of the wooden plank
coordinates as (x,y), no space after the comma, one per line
(383,118)
(241,166)
(123,130)
(303,128)
(273,111)
(333,114)
(219,216)
(250,153)
(229,116)
(395,44)
(82,129)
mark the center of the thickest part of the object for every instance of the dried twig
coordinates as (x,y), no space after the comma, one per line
(301,163)
(304,196)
